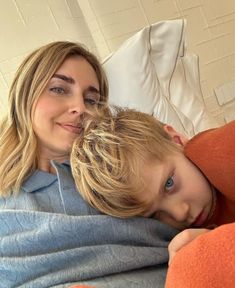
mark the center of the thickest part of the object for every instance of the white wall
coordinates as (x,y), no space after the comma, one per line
(104,24)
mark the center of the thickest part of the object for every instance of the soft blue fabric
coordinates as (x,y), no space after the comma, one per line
(49,237)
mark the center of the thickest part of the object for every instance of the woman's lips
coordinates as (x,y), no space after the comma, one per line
(201,218)
(71,128)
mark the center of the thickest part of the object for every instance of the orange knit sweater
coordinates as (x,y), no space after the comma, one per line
(209,260)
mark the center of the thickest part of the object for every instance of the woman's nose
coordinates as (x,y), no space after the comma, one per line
(77,106)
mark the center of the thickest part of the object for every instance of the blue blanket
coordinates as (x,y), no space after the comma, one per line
(40,249)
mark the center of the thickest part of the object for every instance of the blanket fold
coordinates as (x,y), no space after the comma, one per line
(40,249)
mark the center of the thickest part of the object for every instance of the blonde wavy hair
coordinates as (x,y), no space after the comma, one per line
(18,145)
(107,160)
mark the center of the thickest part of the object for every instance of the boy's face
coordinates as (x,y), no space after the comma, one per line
(179,194)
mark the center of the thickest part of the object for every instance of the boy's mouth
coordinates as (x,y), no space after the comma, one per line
(200,219)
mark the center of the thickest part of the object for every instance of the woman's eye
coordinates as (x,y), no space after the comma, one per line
(169,183)
(92,101)
(58,90)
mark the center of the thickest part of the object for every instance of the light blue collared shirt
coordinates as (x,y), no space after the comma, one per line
(47,192)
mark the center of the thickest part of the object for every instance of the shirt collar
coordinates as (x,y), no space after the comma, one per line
(41,179)
(66,162)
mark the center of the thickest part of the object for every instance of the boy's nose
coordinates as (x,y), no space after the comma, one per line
(180,212)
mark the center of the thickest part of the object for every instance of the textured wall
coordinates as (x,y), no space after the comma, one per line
(103,25)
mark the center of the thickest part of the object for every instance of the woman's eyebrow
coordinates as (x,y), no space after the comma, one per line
(93,89)
(70,80)
(64,78)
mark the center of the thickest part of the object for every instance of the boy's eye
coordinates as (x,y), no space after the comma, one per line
(58,90)
(169,183)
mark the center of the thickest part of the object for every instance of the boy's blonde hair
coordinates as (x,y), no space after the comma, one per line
(18,145)
(106,160)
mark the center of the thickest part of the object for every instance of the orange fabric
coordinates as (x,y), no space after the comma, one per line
(213,151)
(209,260)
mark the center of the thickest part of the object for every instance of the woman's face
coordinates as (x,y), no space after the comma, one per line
(58,113)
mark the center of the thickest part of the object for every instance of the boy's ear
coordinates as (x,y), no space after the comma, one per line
(177,137)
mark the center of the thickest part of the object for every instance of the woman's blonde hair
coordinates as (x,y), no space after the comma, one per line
(107,161)
(18,143)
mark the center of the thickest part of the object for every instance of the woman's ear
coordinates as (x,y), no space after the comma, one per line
(176,137)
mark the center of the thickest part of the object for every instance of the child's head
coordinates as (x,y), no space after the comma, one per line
(128,163)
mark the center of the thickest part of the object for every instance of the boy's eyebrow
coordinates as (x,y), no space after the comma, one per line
(64,78)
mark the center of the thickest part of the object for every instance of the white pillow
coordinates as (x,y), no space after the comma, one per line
(152,73)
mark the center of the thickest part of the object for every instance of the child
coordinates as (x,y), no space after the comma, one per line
(128,163)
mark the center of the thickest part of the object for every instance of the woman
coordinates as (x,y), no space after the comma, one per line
(52,90)
(49,237)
